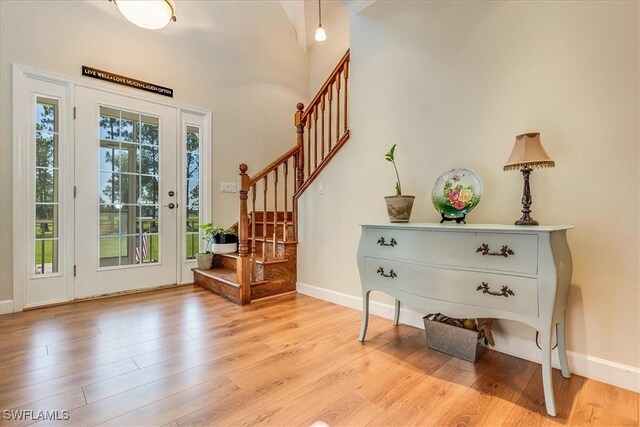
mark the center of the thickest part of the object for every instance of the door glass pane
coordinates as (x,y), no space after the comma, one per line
(192,190)
(47,186)
(129,188)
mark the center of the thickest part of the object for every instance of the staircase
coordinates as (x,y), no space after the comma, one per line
(265,264)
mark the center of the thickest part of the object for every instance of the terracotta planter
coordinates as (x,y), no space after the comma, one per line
(399,207)
(204,261)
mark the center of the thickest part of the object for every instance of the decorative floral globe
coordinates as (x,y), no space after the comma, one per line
(456,192)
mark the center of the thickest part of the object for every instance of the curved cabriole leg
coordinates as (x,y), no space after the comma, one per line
(545,344)
(396,314)
(562,347)
(365,315)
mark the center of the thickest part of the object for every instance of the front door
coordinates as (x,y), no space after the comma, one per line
(126,208)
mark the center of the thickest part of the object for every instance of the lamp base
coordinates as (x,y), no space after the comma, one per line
(526,221)
(526,199)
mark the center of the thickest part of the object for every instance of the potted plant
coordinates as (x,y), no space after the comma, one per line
(205,259)
(222,240)
(398,206)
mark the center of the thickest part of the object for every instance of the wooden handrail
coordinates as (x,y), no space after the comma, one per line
(317,171)
(273,165)
(323,89)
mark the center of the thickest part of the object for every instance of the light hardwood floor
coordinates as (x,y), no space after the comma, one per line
(182,357)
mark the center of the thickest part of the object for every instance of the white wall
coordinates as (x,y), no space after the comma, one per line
(238,59)
(452,83)
(324,56)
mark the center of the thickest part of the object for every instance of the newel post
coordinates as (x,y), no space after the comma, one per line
(300,141)
(243,266)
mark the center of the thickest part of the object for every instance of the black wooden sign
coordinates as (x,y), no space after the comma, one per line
(126,81)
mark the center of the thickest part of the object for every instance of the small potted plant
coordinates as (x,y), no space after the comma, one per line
(399,206)
(205,259)
(222,240)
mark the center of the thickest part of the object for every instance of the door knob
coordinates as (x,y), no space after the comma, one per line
(170,205)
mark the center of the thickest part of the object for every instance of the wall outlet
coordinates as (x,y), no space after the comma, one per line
(321,187)
(228,187)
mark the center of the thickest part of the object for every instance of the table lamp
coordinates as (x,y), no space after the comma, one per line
(527,155)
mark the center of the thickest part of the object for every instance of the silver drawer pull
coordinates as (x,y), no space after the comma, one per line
(392,274)
(504,291)
(382,242)
(505,251)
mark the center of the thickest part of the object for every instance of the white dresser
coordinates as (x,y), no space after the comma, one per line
(519,273)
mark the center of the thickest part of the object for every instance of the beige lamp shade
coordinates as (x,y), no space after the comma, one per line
(528,151)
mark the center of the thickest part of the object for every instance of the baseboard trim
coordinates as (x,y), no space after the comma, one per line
(6,306)
(606,371)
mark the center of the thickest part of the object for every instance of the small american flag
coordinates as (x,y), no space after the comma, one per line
(141,248)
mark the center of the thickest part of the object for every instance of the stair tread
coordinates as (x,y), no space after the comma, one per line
(259,260)
(225,275)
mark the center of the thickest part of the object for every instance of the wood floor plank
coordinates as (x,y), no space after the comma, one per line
(184,356)
(429,399)
(61,402)
(277,394)
(176,405)
(530,409)
(33,393)
(350,410)
(215,359)
(601,404)
(501,381)
(60,364)
(136,398)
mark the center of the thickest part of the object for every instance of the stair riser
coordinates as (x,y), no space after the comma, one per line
(279,253)
(258,215)
(231,293)
(220,261)
(269,228)
(277,271)
(282,250)
(272,288)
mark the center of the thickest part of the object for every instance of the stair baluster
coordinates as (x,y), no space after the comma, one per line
(285,171)
(275,214)
(264,217)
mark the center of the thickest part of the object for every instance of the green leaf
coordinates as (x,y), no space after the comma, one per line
(390,156)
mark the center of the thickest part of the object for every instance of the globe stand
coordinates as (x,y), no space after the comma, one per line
(457,220)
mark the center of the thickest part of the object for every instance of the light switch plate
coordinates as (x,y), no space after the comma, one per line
(228,187)
(321,187)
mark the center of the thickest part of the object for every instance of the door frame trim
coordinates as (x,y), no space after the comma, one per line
(21,74)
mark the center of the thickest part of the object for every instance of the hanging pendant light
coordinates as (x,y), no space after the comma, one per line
(149,14)
(320,34)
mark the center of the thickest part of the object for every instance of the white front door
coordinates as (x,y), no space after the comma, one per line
(126,208)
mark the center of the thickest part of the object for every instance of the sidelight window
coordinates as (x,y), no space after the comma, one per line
(192,193)
(47,186)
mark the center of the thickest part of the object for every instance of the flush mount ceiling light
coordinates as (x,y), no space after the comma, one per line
(149,14)
(320,34)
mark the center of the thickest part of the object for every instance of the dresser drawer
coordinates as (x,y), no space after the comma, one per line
(429,247)
(497,291)
(516,253)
